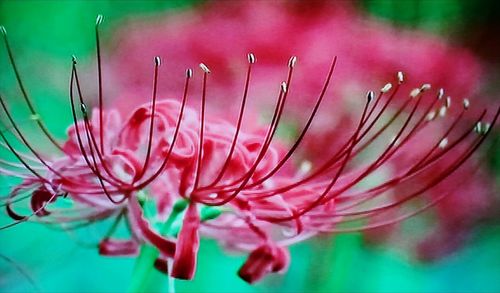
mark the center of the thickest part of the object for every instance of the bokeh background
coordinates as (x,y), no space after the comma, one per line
(44,34)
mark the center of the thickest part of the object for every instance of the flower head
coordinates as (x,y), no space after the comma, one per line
(369,52)
(173,172)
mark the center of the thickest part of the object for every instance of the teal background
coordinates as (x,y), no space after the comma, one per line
(44,34)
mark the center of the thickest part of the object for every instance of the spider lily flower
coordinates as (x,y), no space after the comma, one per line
(370,51)
(174,173)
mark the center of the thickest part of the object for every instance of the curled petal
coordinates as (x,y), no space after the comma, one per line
(184,265)
(161,264)
(267,258)
(141,225)
(113,247)
(40,198)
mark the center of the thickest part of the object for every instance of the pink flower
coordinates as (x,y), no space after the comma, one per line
(173,172)
(369,53)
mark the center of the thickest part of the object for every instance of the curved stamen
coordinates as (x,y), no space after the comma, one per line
(151,125)
(414,171)
(21,160)
(98,22)
(417,167)
(206,71)
(304,130)
(23,139)
(79,139)
(251,60)
(438,179)
(25,95)
(318,200)
(268,138)
(89,129)
(189,75)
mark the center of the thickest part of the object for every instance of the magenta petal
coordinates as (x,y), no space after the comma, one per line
(142,227)
(184,265)
(113,247)
(39,199)
(265,259)
(161,264)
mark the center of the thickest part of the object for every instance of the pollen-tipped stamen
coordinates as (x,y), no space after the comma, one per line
(25,95)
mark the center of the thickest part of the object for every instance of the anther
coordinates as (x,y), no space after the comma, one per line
(283,87)
(99,19)
(440,93)
(73,59)
(157,61)
(443,143)
(3,30)
(425,87)
(189,73)
(34,117)
(400,77)
(482,128)
(466,104)
(386,88)
(478,128)
(305,167)
(292,62)
(204,68)
(370,96)
(448,102)
(415,92)
(442,111)
(83,108)
(251,58)
(431,115)
(486,128)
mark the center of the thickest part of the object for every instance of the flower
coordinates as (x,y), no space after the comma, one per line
(369,52)
(173,172)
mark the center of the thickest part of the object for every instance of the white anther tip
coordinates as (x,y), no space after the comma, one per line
(425,87)
(482,128)
(99,19)
(386,88)
(400,77)
(478,128)
(448,102)
(431,115)
(370,96)
(251,58)
(83,108)
(3,30)
(442,111)
(305,167)
(204,68)
(189,73)
(443,143)
(292,61)
(157,61)
(486,128)
(466,104)
(415,92)
(283,87)
(440,93)
(73,59)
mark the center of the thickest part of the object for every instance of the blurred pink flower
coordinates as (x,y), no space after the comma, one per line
(369,51)
(173,172)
